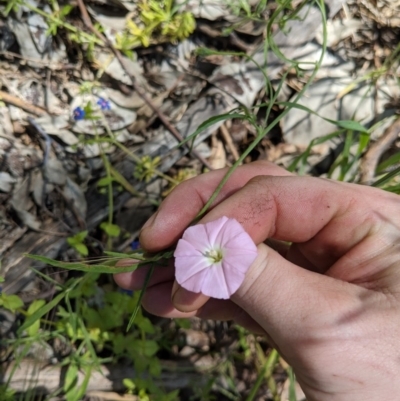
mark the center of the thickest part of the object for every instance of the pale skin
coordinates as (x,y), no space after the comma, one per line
(330,303)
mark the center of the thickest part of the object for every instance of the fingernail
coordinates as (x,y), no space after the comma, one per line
(175,288)
(178,297)
(150,221)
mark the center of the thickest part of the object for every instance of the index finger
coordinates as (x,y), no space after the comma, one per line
(335,215)
(181,207)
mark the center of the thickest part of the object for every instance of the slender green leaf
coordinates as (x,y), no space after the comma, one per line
(348,124)
(292,384)
(33,307)
(42,311)
(392,160)
(210,122)
(139,302)
(265,373)
(81,266)
(345,124)
(71,378)
(119,255)
(386,178)
(363,142)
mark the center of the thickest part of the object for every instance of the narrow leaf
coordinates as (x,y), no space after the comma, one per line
(346,124)
(80,266)
(210,122)
(33,307)
(41,312)
(139,302)
(120,255)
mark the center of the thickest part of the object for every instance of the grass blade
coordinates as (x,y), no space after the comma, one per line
(139,302)
(81,266)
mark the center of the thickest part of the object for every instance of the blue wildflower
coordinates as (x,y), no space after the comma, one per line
(135,245)
(79,113)
(104,104)
(127,292)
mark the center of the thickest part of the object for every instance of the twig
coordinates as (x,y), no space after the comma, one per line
(15,101)
(46,138)
(71,206)
(46,151)
(371,158)
(87,21)
(44,64)
(228,140)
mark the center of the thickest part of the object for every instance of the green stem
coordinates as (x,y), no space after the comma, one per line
(263,133)
(265,373)
(135,158)
(66,25)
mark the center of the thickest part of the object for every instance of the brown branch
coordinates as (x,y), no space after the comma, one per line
(229,142)
(370,160)
(88,22)
(16,101)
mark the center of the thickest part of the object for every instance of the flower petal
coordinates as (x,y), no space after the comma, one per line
(213,228)
(240,262)
(187,266)
(230,231)
(186,248)
(215,283)
(197,236)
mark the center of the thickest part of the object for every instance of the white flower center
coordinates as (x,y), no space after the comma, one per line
(214,254)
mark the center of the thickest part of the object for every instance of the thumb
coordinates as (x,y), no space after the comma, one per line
(291,303)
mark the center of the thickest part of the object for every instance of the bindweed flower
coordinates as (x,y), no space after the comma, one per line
(213,258)
(79,113)
(104,104)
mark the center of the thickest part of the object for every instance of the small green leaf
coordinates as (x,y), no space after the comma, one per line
(145,325)
(129,384)
(71,378)
(183,323)
(2,279)
(110,229)
(11,302)
(66,10)
(82,249)
(150,348)
(81,236)
(105,181)
(33,307)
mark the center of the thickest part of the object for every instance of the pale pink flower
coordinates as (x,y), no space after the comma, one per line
(213,258)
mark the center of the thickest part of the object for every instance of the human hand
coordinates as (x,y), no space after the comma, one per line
(329,303)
